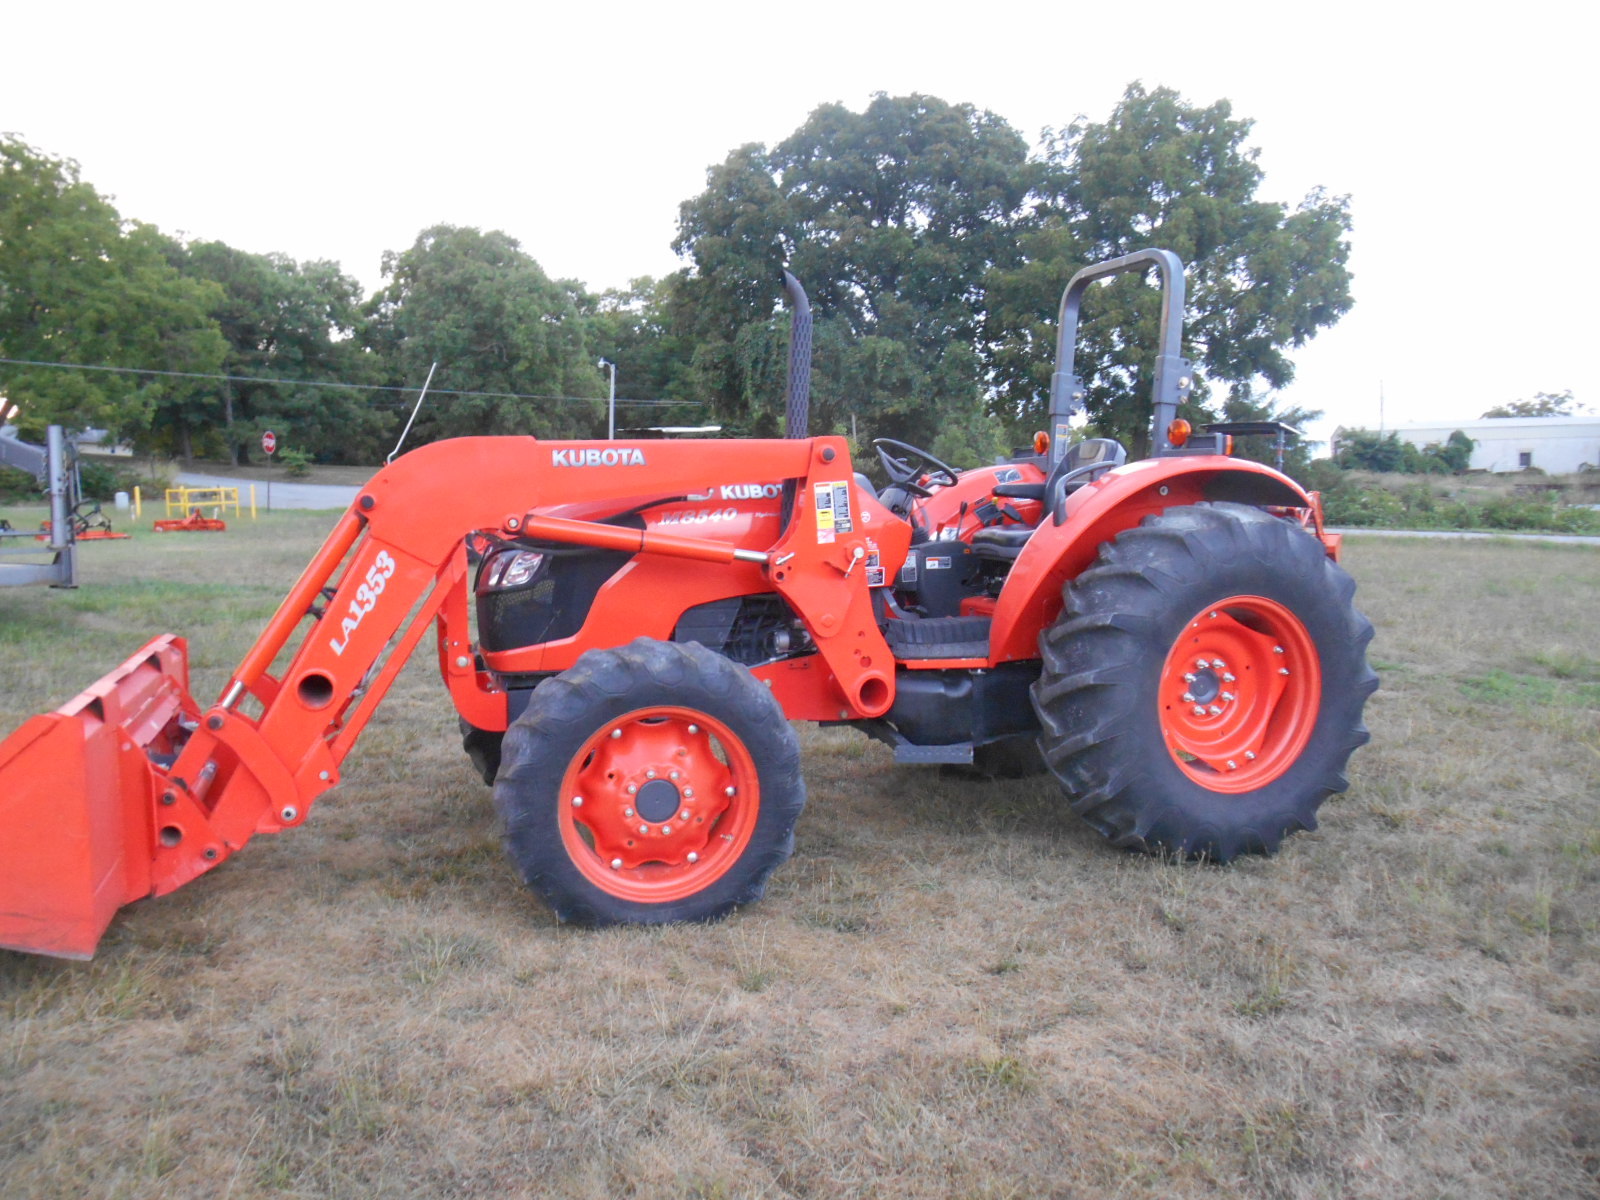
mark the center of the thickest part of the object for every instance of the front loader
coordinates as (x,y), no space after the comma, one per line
(628,628)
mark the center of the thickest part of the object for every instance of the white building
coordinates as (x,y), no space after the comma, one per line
(1556,445)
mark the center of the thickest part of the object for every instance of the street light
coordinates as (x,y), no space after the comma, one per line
(611,419)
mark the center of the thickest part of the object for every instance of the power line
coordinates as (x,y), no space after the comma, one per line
(357,387)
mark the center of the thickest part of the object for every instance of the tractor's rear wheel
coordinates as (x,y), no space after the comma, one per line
(1202,689)
(651,783)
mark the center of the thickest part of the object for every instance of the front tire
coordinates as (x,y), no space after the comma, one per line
(1202,689)
(651,783)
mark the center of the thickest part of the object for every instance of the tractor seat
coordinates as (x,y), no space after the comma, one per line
(1003,542)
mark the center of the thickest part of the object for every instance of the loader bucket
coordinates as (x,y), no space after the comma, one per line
(78,793)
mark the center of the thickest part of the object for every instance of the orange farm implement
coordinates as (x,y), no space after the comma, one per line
(195,522)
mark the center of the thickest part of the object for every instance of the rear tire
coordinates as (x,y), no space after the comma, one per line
(1202,689)
(651,783)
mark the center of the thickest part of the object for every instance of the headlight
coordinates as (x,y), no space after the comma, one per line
(512,569)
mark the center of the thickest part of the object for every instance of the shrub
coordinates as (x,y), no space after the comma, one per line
(1362,506)
(296,463)
(18,487)
(99,479)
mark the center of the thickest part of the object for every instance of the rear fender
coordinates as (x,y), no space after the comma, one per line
(1096,513)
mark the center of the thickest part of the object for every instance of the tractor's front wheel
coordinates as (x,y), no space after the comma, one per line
(1202,689)
(651,783)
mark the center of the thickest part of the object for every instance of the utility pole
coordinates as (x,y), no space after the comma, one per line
(611,419)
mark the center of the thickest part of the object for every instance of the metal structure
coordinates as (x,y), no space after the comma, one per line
(1171,638)
(54,466)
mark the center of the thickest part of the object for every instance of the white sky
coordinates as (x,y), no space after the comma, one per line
(341,130)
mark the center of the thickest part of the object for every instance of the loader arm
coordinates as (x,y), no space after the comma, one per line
(132,790)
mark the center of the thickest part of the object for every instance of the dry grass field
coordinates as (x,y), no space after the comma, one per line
(953,989)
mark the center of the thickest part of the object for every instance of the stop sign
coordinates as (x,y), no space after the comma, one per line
(269,442)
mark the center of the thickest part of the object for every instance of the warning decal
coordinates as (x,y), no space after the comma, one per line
(824,513)
(841,508)
(874,565)
(833,511)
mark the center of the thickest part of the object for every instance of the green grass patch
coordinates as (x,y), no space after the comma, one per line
(1531,691)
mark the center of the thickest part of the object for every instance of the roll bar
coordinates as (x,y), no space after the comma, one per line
(1173,374)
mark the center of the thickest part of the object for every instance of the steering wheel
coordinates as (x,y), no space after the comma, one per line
(905,464)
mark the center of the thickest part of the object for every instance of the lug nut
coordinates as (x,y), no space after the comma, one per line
(1214,711)
(693,857)
(644,829)
(1283,670)
(1232,766)
(1277,649)
(1213,616)
(684,815)
(627,812)
(672,775)
(1250,754)
(577,802)
(665,829)
(616,733)
(1188,697)
(1227,696)
(1201,664)
(1218,663)
(1199,710)
(688,793)
(616,864)
(1190,678)
(730,790)
(694,729)
(650,774)
(633,789)
(1228,678)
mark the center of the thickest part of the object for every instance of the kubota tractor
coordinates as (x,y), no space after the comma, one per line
(1172,638)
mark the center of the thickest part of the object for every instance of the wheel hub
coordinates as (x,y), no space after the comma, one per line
(658,800)
(1205,686)
(1239,693)
(659,803)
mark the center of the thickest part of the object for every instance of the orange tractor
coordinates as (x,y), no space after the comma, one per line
(1172,638)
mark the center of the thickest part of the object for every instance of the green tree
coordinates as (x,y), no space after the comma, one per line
(1368,451)
(1543,404)
(632,327)
(497,325)
(1160,172)
(1455,454)
(282,320)
(890,217)
(1362,449)
(78,284)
